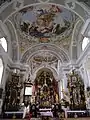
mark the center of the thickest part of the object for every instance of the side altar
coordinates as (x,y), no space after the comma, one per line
(76,90)
(13,89)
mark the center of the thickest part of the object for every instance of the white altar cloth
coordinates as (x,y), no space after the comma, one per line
(48,113)
(45,109)
(76,111)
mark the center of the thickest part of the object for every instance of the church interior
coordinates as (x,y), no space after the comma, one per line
(45,59)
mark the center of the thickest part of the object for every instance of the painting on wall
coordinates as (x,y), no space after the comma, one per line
(46,21)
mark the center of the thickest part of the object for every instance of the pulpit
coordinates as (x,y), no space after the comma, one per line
(27,91)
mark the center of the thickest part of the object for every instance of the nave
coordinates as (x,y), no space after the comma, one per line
(44,59)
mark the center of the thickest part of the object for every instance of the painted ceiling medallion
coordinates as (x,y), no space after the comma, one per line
(45,21)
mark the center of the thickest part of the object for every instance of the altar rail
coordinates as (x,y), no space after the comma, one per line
(70,113)
(13,114)
(77,113)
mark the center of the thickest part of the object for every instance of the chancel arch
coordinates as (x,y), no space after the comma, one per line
(55,72)
(60,53)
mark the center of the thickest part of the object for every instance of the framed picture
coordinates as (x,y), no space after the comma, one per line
(28,90)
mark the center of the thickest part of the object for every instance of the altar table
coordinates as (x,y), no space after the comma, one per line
(46,112)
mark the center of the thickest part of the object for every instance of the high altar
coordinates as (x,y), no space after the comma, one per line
(46,89)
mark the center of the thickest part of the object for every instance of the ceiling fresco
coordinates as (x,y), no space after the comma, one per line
(43,58)
(45,21)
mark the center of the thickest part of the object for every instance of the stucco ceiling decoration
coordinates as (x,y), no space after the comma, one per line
(43,58)
(50,48)
(86,2)
(45,21)
(15,5)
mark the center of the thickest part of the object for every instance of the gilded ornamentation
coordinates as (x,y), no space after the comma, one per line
(76,91)
(46,88)
(13,91)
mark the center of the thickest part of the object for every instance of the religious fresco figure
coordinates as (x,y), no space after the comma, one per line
(45,21)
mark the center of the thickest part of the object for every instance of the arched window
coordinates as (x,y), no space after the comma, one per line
(3,42)
(1,69)
(85,43)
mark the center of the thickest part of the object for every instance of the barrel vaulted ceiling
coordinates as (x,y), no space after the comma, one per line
(47,26)
(44,23)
